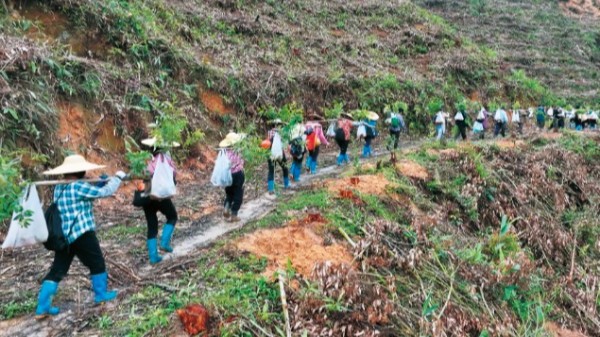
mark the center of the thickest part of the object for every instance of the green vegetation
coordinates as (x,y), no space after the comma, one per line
(428,253)
(531,37)
(587,148)
(10,186)
(14,309)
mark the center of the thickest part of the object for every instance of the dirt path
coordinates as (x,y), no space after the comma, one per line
(128,263)
(126,256)
(251,211)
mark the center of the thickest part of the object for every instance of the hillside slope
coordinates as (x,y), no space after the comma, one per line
(556,42)
(495,239)
(115,65)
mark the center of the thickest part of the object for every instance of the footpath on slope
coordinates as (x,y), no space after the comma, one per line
(76,314)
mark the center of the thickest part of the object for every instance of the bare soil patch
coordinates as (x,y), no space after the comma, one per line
(582,8)
(368,184)
(299,242)
(411,169)
(214,102)
(337,32)
(380,33)
(551,135)
(53,26)
(509,144)
(557,331)
(73,131)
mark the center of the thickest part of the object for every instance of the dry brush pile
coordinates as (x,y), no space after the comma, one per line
(513,251)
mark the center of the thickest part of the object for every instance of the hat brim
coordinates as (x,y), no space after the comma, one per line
(347,115)
(152,142)
(73,168)
(372,116)
(229,142)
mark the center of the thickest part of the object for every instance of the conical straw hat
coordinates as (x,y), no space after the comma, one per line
(152,142)
(276,121)
(347,115)
(73,164)
(372,116)
(231,139)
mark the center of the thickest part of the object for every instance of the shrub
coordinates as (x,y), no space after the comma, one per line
(10,186)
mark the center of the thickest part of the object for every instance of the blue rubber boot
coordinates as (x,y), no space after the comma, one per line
(99,284)
(368,150)
(365,152)
(340,159)
(296,169)
(165,238)
(346,159)
(313,166)
(44,307)
(308,163)
(271,185)
(286,182)
(153,251)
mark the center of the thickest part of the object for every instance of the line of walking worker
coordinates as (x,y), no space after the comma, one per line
(74,200)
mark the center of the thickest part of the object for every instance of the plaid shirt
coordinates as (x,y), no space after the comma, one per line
(74,202)
(237,163)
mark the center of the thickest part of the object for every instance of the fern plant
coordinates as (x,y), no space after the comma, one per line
(137,158)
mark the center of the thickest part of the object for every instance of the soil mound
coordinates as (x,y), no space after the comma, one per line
(367,184)
(299,242)
(412,170)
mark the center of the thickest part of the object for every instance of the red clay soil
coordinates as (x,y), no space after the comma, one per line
(74,134)
(107,138)
(51,26)
(337,32)
(557,331)
(73,131)
(551,135)
(214,102)
(368,184)
(299,242)
(412,170)
(509,144)
(380,32)
(590,8)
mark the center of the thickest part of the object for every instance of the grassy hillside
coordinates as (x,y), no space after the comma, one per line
(554,41)
(119,63)
(484,239)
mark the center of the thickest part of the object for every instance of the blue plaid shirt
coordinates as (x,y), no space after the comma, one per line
(74,202)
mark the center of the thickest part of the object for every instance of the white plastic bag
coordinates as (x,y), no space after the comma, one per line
(515,117)
(36,230)
(481,115)
(439,119)
(276,148)
(459,117)
(331,130)
(163,184)
(362,131)
(477,127)
(221,176)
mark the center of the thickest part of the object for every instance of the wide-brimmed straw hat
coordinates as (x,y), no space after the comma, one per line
(73,164)
(372,116)
(152,143)
(347,115)
(276,121)
(231,139)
